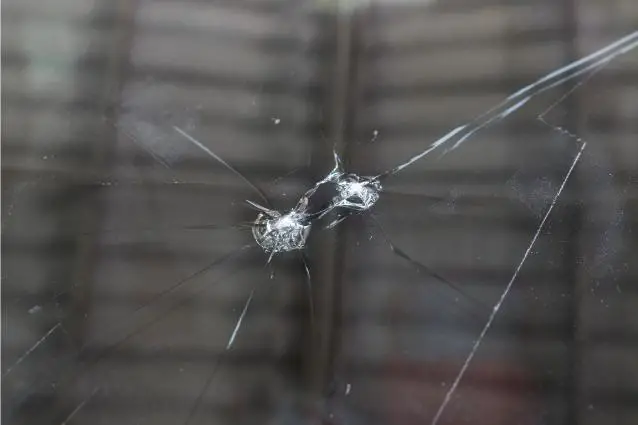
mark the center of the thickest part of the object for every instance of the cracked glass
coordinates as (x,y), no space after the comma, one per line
(319,212)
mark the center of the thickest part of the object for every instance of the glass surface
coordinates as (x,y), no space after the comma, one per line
(494,282)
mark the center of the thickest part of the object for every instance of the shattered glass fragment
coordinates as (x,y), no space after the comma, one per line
(276,232)
(356,192)
(353,192)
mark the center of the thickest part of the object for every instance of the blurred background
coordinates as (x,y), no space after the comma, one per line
(116,311)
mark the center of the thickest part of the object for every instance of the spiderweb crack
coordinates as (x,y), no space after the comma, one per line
(278,232)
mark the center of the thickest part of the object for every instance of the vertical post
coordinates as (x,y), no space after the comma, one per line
(327,248)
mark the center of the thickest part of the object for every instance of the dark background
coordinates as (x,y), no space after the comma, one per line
(97,188)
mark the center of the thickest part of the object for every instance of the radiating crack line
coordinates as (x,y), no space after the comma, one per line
(137,331)
(127,232)
(498,305)
(213,372)
(141,145)
(568,72)
(209,380)
(80,406)
(171,289)
(422,268)
(311,302)
(31,350)
(430,148)
(221,161)
(629,38)
(183,281)
(170,310)
(231,340)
